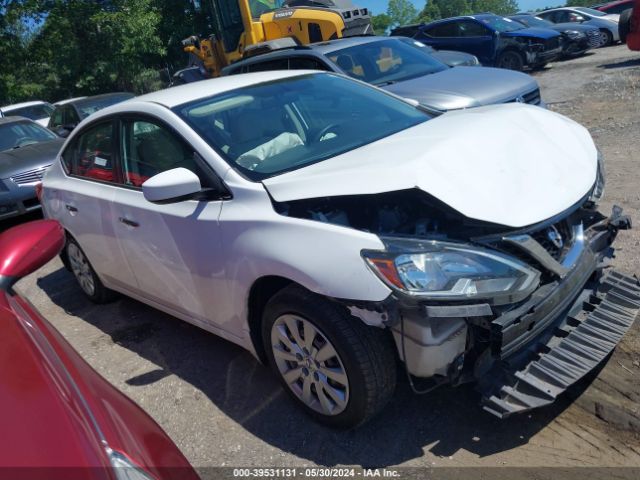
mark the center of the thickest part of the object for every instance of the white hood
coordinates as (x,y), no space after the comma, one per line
(513,165)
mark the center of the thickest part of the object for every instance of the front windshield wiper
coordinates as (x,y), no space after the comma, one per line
(384,84)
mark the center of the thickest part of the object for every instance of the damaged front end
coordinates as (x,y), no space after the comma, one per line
(524,313)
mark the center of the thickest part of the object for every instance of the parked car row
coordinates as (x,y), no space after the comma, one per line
(520,41)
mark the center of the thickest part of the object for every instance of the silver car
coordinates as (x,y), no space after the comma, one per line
(394,65)
(606,23)
(26,150)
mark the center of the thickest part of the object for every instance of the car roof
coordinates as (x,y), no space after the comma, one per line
(68,100)
(475,16)
(174,96)
(89,100)
(23,104)
(11,119)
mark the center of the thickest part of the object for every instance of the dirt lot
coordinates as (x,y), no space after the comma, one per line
(222,408)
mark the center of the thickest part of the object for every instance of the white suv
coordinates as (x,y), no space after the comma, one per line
(333,229)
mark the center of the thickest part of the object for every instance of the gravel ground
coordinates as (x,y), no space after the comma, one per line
(224,409)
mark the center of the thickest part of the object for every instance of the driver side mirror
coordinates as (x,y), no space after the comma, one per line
(175,185)
(26,248)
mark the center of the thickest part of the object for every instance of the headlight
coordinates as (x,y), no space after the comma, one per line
(574,34)
(436,270)
(598,189)
(473,61)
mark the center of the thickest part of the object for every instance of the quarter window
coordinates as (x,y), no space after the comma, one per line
(149,149)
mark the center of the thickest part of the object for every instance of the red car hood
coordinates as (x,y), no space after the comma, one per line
(42,423)
(56,411)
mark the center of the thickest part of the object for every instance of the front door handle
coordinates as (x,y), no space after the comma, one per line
(129,223)
(71,209)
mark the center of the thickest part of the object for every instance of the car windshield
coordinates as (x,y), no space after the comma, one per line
(91,105)
(531,21)
(591,11)
(385,62)
(501,24)
(34,112)
(259,7)
(19,134)
(267,129)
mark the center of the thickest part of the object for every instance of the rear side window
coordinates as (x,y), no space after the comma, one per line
(91,155)
(444,30)
(306,63)
(56,118)
(279,64)
(469,28)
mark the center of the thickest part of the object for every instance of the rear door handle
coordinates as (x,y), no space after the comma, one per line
(128,222)
(71,208)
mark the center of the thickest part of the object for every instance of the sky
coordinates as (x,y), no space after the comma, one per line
(380,6)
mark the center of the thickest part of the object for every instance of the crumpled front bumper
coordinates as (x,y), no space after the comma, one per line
(524,355)
(563,331)
(581,338)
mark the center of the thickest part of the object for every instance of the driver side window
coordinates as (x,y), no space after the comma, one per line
(148,149)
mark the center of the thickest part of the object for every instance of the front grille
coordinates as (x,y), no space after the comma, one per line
(532,98)
(558,248)
(30,176)
(594,37)
(544,237)
(552,43)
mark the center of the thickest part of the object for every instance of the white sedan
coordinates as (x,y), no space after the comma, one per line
(334,230)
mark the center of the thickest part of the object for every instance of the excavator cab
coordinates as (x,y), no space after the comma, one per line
(242,26)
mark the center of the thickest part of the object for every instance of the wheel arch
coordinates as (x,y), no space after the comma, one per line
(262,290)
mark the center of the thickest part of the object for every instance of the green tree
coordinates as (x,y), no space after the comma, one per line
(452,8)
(401,12)
(381,23)
(429,13)
(499,7)
(578,3)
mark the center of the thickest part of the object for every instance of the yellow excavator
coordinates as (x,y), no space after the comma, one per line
(241,28)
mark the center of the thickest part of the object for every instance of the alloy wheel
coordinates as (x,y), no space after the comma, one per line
(81,269)
(310,365)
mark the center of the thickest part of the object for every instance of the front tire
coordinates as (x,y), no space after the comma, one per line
(339,370)
(511,60)
(608,37)
(86,276)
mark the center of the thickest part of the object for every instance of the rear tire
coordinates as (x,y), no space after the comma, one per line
(361,358)
(511,60)
(86,276)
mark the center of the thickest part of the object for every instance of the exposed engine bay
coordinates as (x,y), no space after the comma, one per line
(406,212)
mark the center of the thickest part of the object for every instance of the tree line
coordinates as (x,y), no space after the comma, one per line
(56,49)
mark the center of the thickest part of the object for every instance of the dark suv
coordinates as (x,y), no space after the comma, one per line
(495,40)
